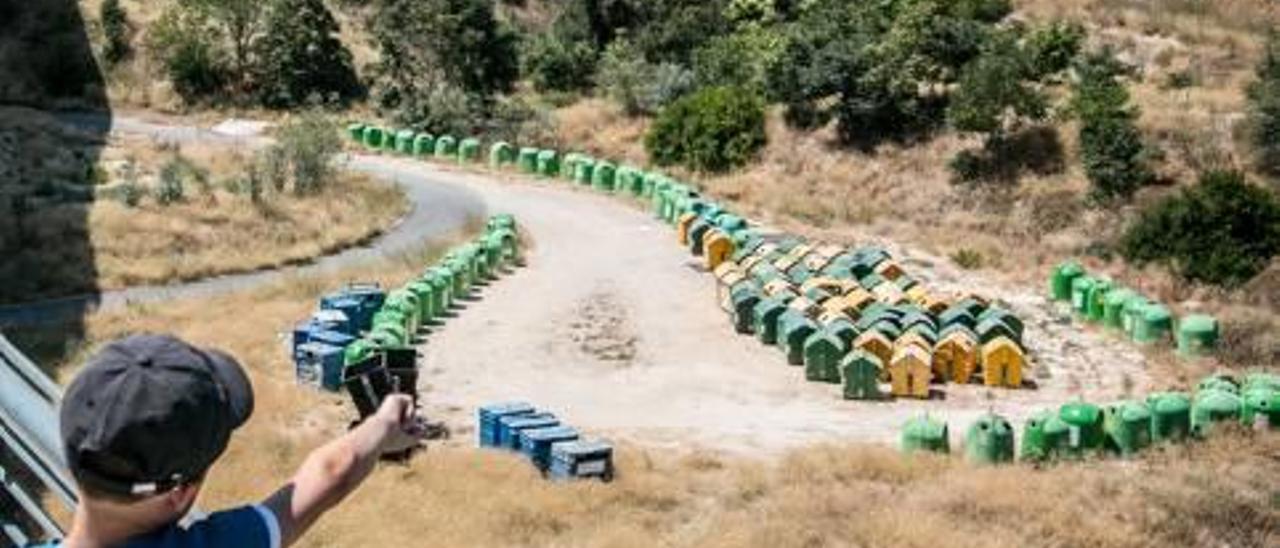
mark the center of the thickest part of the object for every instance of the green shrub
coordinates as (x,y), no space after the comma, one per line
(1221,231)
(968,259)
(115,32)
(308,143)
(1263,98)
(194,63)
(299,57)
(715,129)
(554,64)
(172,181)
(739,59)
(1052,48)
(637,85)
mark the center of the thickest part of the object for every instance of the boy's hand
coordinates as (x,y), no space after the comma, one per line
(404,429)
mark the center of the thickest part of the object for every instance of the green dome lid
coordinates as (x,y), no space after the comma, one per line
(1080,413)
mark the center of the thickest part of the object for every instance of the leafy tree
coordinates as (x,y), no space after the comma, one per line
(995,91)
(239,21)
(431,45)
(739,59)
(115,31)
(1111,146)
(1221,231)
(715,129)
(1263,98)
(300,55)
(881,69)
(307,144)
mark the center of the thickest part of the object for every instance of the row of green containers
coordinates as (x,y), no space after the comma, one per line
(1079,429)
(430,296)
(1102,301)
(575,166)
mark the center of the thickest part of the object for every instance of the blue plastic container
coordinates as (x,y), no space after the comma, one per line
(358,318)
(319,364)
(332,338)
(487,420)
(536,443)
(581,459)
(509,427)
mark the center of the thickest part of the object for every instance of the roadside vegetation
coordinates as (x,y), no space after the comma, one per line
(154,212)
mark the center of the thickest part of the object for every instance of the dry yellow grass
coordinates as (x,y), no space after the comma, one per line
(1213,494)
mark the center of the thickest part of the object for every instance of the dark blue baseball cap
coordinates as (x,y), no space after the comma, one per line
(149,413)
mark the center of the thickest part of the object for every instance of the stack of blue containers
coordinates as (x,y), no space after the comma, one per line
(319,343)
(553,448)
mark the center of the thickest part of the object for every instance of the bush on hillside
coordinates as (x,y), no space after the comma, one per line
(1221,231)
(1111,146)
(299,56)
(1263,98)
(115,32)
(740,59)
(639,86)
(1052,48)
(195,64)
(307,143)
(715,129)
(554,64)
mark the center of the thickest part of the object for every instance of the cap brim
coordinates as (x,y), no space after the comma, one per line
(236,383)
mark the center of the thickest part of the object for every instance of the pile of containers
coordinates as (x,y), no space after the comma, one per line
(556,450)
(854,317)
(1080,429)
(361,321)
(1101,301)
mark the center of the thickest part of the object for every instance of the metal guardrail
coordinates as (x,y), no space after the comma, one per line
(29,403)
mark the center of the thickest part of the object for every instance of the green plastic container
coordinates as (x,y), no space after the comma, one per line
(861,371)
(469,150)
(1131,314)
(794,328)
(1084,428)
(1212,407)
(1258,405)
(548,163)
(989,440)
(1095,301)
(424,145)
(1170,416)
(1153,325)
(1218,381)
(1113,307)
(426,300)
(1128,427)
(1061,278)
(765,317)
(527,160)
(925,433)
(603,178)
(356,132)
(441,281)
(374,136)
(823,352)
(358,351)
(630,180)
(446,146)
(743,297)
(501,154)
(1261,380)
(404,141)
(1080,288)
(583,170)
(1197,335)
(1043,437)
